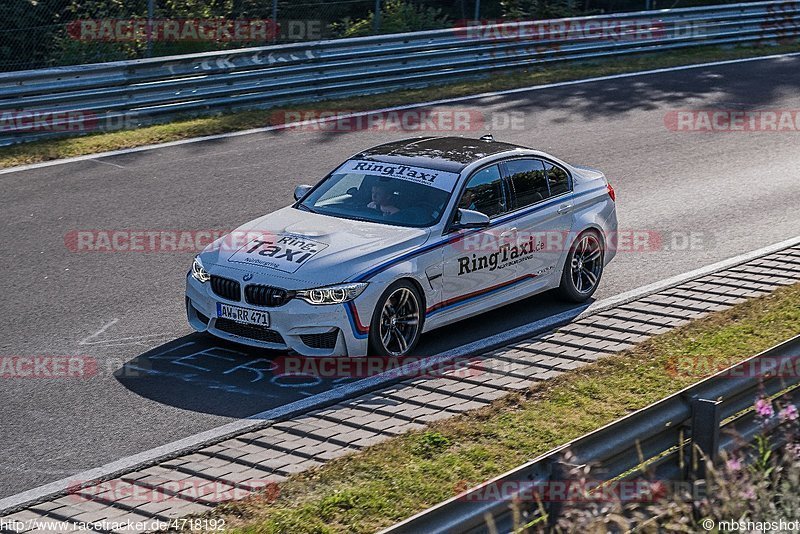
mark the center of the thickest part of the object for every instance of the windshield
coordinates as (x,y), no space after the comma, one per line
(386,193)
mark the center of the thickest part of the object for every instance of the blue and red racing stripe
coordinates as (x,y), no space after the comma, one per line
(469,297)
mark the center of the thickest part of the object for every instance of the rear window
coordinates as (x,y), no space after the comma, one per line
(528,181)
(558,180)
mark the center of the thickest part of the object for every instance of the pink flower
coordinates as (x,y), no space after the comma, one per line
(734,464)
(764,408)
(789,413)
(748,494)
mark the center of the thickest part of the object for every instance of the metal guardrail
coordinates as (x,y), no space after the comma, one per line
(107,96)
(709,416)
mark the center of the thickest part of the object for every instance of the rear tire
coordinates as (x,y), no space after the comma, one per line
(583,268)
(397,320)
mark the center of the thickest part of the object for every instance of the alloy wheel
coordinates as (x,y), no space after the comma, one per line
(587,264)
(399,321)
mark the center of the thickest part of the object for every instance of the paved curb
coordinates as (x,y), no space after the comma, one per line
(247,454)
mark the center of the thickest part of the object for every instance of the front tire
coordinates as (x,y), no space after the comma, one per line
(397,321)
(583,268)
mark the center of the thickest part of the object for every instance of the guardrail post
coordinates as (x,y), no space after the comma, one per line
(274,21)
(552,506)
(705,434)
(376,19)
(150,14)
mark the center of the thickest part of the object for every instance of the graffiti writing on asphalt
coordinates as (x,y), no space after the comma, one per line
(227,369)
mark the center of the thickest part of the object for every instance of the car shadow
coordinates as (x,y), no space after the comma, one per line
(203,374)
(500,322)
(200,373)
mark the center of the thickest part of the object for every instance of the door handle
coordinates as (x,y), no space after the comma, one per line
(510,231)
(565,208)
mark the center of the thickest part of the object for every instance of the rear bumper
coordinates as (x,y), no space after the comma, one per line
(611,229)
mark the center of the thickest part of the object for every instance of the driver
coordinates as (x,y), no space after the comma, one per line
(468,200)
(383,199)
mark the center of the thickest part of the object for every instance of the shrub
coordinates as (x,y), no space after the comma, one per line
(397,16)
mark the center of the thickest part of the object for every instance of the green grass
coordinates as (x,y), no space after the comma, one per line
(209,125)
(393,480)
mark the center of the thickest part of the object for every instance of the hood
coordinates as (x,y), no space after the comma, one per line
(297,249)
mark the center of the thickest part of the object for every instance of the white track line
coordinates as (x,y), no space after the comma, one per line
(347,391)
(444,101)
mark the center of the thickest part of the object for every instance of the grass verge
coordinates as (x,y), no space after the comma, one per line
(195,127)
(395,479)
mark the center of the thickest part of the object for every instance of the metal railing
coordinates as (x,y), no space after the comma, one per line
(61,101)
(671,434)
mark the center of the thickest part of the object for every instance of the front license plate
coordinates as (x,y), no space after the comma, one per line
(242,315)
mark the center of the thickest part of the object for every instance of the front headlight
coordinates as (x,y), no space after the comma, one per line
(199,272)
(332,294)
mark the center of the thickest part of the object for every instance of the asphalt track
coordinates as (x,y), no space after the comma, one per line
(156,382)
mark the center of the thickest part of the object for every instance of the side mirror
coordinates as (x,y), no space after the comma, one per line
(471,219)
(302,190)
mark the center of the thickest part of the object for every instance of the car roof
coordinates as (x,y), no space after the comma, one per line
(450,154)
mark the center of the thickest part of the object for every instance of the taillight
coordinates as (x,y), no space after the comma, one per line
(611,193)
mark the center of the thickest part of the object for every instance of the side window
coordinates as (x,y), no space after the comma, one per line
(484,192)
(558,179)
(528,181)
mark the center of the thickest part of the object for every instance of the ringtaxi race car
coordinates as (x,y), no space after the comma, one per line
(403,238)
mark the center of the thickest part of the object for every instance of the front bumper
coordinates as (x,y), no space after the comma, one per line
(296,326)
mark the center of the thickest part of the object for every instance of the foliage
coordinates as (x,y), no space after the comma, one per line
(752,483)
(35,34)
(29,29)
(397,16)
(540,9)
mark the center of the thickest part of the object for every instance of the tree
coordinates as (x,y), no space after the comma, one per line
(31,27)
(397,16)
